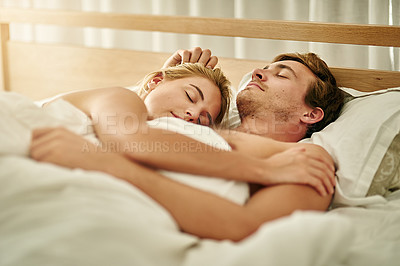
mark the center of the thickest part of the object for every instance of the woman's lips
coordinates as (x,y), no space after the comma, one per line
(174,115)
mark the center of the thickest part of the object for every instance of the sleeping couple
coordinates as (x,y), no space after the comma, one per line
(284,102)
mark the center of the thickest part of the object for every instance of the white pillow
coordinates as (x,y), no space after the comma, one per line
(359,139)
(233,119)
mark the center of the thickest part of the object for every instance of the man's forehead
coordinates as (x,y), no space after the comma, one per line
(286,62)
(298,67)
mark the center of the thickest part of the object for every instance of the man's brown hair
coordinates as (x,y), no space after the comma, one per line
(323,93)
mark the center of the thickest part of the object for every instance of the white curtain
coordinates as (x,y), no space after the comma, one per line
(386,12)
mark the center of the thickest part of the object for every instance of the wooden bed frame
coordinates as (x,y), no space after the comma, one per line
(42,70)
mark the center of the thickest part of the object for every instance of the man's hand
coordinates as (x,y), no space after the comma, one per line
(307,164)
(64,148)
(193,55)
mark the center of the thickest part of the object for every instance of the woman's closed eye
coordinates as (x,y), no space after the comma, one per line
(190,98)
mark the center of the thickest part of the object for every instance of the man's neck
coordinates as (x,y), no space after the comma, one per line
(284,131)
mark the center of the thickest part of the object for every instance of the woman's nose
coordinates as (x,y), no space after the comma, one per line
(259,74)
(191,116)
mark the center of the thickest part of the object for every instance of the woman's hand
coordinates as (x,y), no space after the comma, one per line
(193,55)
(306,164)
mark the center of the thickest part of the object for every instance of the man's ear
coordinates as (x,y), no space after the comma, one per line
(313,116)
(152,84)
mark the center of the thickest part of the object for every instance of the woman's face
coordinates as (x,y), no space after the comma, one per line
(193,99)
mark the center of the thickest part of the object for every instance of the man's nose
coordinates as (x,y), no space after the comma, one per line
(259,74)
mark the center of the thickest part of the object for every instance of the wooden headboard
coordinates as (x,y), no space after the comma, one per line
(41,70)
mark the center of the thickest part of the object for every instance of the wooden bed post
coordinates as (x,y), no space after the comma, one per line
(4,38)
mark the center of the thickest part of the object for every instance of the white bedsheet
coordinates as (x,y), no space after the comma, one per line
(55,216)
(345,236)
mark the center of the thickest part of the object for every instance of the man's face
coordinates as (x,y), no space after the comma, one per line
(276,92)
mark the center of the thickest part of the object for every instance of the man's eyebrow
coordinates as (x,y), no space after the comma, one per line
(283,66)
(198,89)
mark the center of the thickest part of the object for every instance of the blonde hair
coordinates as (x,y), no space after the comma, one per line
(190,70)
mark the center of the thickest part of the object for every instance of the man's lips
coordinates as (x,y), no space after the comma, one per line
(255,84)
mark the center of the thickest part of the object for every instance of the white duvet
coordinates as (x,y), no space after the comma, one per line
(50,215)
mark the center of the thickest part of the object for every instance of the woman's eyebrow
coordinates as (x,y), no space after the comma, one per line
(199,90)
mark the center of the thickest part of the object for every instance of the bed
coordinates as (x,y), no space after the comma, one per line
(55,216)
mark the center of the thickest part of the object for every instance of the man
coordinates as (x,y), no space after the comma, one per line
(289,115)
(275,117)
